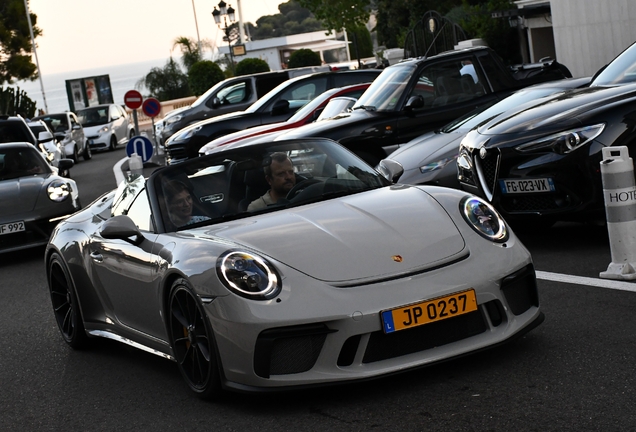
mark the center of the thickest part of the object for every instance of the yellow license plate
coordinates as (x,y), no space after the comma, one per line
(429,311)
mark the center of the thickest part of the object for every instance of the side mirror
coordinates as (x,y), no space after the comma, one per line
(65,164)
(45,136)
(123,228)
(390,170)
(280,107)
(216,102)
(414,102)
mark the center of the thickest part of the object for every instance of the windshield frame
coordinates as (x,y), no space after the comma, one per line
(323,160)
(394,80)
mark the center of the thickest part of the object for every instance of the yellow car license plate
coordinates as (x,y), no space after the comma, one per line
(428,311)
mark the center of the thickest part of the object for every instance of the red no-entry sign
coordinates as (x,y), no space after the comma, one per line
(133,99)
(151,107)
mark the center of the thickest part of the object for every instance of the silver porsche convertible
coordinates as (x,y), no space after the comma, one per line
(347,276)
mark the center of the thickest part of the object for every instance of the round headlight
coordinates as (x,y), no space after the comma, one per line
(248,275)
(58,191)
(484,219)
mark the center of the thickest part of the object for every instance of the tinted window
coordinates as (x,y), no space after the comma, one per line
(345,79)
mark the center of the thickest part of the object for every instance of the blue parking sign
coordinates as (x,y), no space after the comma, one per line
(140,145)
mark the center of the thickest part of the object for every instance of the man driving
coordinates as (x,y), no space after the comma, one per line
(279,173)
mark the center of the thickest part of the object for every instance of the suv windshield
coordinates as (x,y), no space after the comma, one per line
(93,116)
(385,91)
(620,71)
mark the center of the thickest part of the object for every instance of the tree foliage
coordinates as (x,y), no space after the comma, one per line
(15,42)
(250,66)
(304,57)
(339,14)
(166,83)
(202,75)
(292,19)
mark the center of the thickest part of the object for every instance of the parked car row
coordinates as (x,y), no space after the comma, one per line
(239,320)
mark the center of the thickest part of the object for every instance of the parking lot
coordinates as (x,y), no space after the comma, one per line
(574,372)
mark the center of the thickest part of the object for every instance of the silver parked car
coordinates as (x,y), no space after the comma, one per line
(34,198)
(69,132)
(106,126)
(347,277)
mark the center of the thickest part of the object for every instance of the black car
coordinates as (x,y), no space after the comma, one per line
(540,163)
(276,106)
(420,95)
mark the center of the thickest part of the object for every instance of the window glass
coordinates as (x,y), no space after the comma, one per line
(447,83)
(139,212)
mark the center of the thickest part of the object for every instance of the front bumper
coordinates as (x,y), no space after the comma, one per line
(327,334)
(38,227)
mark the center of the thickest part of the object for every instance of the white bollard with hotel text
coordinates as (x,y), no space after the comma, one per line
(619,192)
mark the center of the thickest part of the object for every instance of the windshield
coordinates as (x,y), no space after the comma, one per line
(244,181)
(385,91)
(18,162)
(56,122)
(483,114)
(621,70)
(312,106)
(93,116)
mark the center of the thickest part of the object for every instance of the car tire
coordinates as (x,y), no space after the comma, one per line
(192,341)
(75,156)
(87,155)
(65,305)
(113,143)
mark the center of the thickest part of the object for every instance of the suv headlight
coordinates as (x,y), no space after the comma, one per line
(564,142)
(58,191)
(248,275)
(483,218)
(186,135)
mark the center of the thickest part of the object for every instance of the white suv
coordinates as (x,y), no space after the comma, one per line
(106,126)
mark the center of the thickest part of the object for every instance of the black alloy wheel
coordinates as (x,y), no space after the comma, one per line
(87,152)
(75,154)
(65,304)
(113,143)
(192,342)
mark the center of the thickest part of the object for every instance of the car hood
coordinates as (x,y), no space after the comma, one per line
(561,110)
(22,193)
(245,134)
(323,128)
(428,148)
(356,239)
(93,129)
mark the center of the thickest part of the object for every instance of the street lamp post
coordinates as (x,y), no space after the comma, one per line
(228,15)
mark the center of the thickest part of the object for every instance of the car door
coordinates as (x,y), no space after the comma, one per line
(235,96)
(77,132)
(125,273)
(292,98)
(447,89)
(117,121)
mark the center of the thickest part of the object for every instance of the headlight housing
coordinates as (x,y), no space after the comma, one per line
(58,191)
(102,130)
(187,134)
(437,165)
(564,142)
(483,218)
(248,275)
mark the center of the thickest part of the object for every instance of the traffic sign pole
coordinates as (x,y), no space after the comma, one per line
(133,100)
(152,107)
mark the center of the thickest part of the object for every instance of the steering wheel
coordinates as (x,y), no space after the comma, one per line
(300,186)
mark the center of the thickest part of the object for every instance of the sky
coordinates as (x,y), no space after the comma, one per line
(86,34)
